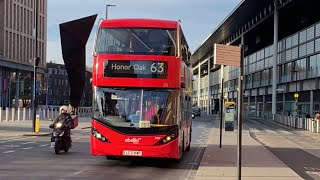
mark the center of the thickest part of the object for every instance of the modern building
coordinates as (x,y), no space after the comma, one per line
(59,87)
(17,48)
(281,42)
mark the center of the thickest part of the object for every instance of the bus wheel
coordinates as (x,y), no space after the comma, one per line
(189,145)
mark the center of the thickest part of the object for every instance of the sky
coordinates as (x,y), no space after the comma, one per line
(198,18)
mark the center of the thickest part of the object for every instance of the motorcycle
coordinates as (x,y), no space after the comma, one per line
(60,140)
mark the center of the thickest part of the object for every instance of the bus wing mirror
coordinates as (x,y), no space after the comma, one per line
(183,84)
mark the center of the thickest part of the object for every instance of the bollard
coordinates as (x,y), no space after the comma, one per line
(52,113)
(24,114)
(0,114)
(29,114)
(37,125)
(318,126)
(18,114)
(7,114)
(305,123)
(12,113)
(44,114)
(310,124)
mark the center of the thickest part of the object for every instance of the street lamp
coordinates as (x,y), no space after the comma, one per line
(108,5)
(36,61)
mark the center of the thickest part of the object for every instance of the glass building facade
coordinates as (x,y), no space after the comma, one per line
(298,71)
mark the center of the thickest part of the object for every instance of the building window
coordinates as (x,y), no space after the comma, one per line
(317,45)
(295,40)
(310,47)
(302,50)
(302,36)
(310,33)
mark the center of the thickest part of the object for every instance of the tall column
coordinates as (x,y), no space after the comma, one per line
(17,89)
(283,103)
(263,105)
(209,94)
(199,79)
(256,105)
(311,103)
(275,59)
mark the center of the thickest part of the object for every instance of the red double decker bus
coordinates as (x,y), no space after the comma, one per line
(142,90)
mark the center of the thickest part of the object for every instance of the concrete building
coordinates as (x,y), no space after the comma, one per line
(17,48)
(59,87)
(281,40)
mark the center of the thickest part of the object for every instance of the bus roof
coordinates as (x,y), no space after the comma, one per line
(151,23)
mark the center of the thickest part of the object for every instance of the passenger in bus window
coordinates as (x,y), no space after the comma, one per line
(157,116)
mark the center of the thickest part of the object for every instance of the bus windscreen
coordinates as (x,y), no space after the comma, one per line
(139,41)
(127,107)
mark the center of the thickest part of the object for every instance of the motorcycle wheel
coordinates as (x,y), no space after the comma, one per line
(57,147)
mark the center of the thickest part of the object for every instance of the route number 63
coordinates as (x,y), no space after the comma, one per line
(157,67)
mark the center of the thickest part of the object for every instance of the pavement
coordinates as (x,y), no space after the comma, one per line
(257,161)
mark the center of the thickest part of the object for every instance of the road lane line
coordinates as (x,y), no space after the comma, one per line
(78,172)
(28,148)
(44,145)
(6,152)
(31,142)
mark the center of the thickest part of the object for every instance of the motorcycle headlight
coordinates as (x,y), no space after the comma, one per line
(58,125)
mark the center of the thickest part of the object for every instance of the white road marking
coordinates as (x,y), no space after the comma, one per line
(254,130)
(6,152)
(28,148)
(270,131)
(78,172)
(31,142)
(44,145)
(15,139)
(199,141)
(4,147)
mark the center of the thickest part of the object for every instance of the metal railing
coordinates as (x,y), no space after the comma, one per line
(309,124)
(22,114)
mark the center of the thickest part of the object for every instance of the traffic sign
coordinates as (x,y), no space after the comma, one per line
(227,55)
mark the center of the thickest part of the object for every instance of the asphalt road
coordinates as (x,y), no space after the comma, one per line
(32,158)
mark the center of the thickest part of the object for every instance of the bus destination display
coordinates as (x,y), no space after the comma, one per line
(136,69)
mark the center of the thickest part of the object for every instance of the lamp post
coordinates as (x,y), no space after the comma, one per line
(108,5)
(296,95)
(35,65)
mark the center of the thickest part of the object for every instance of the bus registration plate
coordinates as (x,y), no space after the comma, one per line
(132,153)
(144,124)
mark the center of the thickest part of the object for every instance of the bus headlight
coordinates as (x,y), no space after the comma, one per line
(166,139)
(95,133)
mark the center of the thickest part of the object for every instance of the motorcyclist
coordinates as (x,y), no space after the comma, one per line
(63,117)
